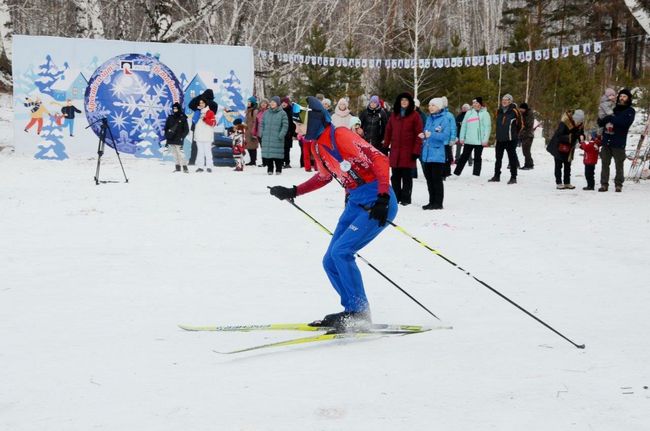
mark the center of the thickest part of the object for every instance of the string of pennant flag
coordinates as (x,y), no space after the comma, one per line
(436,63)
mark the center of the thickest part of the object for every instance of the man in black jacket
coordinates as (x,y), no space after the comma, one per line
(526,135)
(508,126)
(176,129)
(615,138)
(208,97)
(373,122)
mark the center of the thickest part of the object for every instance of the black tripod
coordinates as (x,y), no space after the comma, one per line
(100,149)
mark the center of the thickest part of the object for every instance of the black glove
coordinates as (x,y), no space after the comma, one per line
(283,193)
(379,210)
(415,157)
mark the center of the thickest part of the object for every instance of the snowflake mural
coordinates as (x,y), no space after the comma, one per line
(135,94)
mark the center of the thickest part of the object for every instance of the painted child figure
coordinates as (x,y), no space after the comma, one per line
(590,160)
(363,171)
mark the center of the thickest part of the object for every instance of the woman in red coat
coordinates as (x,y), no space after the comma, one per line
(401,138)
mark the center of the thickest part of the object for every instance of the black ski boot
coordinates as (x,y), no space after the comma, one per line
(185,169)
(178,168)
(345,321)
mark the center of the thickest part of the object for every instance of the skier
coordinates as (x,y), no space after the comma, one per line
(176,129)
(363,171)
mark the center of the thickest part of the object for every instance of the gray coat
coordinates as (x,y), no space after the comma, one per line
(275,125)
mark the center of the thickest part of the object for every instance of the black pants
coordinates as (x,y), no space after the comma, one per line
(459,150)
(276,162)
(193,154)
(433,172)
(265,161)
(402,182)
(449,156)
(526,145)
(559,165)
(511,148)
(253,156)
(287,151)
(608,153)
(467,152)
(590,174)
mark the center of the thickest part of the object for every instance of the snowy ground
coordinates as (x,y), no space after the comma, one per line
(96,278)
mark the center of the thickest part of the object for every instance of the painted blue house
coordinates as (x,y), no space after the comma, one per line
(201,82)
(72,85)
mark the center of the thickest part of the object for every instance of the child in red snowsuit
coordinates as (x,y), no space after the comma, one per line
(307,156)
(590,160)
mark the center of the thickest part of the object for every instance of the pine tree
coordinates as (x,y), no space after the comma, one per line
(350,77)
(317,78)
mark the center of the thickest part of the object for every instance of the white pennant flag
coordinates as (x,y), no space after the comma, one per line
(413,63)
(364,63)
(271,55)
(459,61)
(565,51)
(488,60)
(586,48)
(357,63)
(598,46)
(468,61)
(496,59)
(421,63)
(529,55)
(371,63)
(504,58)
(555,52)
(546,54)
(292,58)
(339,61)
(440,62)
(447,62)
(427,63)
(512,57)
(400,63)
(521,56)
(301,58)
(262,55)
(387,64)
(319,61)
(538,54)
(481,60)
(393,64)
(344,61)
(576,50)
(331,61)
(454,62)
(474,61)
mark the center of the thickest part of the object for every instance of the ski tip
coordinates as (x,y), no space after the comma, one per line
(580,346)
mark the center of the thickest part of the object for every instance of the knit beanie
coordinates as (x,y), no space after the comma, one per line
(437,101)
(375,100)
(445,102)
(276,99)
(578,116)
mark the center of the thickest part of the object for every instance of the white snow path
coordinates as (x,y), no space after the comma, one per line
(94,280)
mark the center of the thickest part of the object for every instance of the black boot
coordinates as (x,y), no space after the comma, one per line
(178,168)
(185,169)
(513,180)
(494,179)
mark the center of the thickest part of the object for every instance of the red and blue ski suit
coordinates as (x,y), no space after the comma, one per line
(364,173)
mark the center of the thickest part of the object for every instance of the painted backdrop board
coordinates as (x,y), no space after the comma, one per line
(139,80)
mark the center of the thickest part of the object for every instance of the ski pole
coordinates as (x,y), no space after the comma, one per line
(364,260)
(446,259)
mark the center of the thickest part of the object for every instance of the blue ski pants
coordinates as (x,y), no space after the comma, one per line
(355,229)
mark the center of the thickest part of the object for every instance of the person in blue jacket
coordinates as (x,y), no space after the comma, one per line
(437,134)
(452,140)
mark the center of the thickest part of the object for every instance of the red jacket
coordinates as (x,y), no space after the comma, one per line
(402,138)
(591,152)
(367,164)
